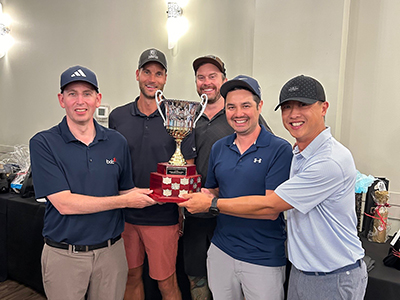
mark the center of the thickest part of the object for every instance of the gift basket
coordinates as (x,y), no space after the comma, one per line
(379,228)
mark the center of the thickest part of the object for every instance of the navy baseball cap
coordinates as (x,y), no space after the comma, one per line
(243,81)
(150,55)
(302,88)
(78,73)
(209,59)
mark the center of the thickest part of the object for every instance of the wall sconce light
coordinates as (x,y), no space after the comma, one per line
(177,25)
(6,40)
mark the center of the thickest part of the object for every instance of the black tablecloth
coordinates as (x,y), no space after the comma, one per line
(383,282)
(3,241)
(22,239)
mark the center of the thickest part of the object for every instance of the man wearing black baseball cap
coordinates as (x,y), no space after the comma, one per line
(245,252)
(81,168)
(303,89)
(323,245)
(153,231)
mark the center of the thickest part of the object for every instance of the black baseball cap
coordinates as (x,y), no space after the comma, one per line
(243,81)
(209,59)
(302,88)
(150,55)
(78,73)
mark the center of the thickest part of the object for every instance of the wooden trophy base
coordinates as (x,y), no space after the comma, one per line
(170,182)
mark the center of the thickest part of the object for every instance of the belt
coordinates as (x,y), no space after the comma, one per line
(81,248)
(343,269)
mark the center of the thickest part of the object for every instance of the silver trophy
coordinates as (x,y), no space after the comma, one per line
(179,120)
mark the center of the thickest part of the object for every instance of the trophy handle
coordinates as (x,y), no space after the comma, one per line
(159,99)
(203,103)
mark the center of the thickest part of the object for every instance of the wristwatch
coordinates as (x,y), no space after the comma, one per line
(213,210)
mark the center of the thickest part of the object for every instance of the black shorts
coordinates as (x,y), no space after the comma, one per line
(196,241)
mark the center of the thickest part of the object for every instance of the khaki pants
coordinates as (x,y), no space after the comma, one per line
(101,274)
(232,279)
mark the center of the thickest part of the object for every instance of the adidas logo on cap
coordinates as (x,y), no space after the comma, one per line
(78,73)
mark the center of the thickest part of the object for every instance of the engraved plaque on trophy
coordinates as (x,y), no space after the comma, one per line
(175,178)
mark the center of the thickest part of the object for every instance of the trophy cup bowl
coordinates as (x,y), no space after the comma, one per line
(175,178)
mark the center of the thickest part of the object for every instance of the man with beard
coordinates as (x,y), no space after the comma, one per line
(210,74)
(152,231)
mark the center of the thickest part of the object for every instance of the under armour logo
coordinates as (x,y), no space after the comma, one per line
(257,160)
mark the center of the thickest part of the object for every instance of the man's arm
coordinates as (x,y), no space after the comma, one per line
(254,216)
(68,203)
(246,206)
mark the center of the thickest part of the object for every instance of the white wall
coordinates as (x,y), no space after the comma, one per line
(300,37)
(272,40)
(108,37)
(371,111)
(370,127)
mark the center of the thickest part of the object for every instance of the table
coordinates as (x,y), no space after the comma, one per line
(21,223)
(383,282)
(21,243)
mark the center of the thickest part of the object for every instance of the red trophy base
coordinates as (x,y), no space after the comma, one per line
(170,182)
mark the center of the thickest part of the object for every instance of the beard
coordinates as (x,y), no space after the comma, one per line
(211,100)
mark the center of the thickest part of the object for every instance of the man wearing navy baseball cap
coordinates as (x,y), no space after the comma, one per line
(246,256)
(78,73)
(323,245)
(242,82)
(210,75)
(84,171)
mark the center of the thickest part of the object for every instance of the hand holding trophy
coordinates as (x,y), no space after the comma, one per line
(175,178)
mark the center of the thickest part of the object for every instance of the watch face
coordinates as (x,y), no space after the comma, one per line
(214,211)
(213,208)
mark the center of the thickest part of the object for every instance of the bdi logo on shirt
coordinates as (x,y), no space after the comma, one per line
(111,161)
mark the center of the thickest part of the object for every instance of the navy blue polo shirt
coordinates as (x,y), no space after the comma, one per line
(207,132)
(60,162)
(262,167)
(149,144)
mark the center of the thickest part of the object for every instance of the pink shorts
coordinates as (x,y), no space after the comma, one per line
(159,242)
